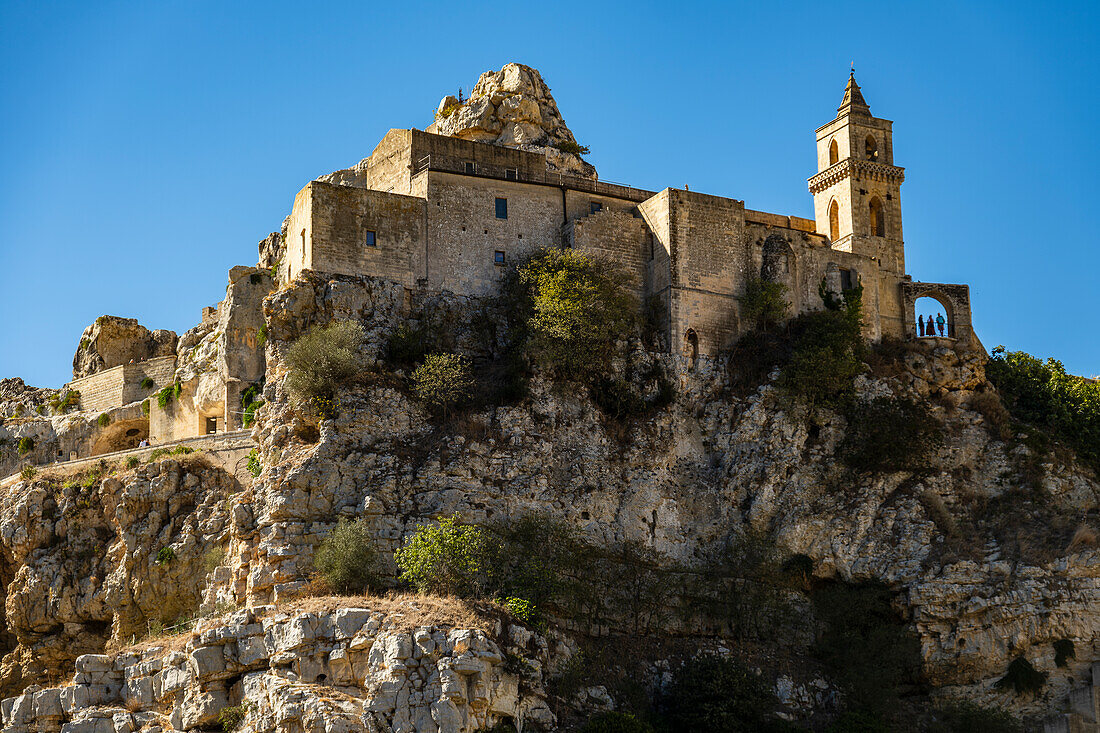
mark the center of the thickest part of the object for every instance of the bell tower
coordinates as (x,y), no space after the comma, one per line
(857,189)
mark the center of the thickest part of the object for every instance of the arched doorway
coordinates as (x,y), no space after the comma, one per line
(691,346)
(934,317)
(878,217)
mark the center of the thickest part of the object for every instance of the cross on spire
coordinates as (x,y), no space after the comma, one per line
(853,98)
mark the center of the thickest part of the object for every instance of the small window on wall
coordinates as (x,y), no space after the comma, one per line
(211,425)
(369,239)
(511,173)
(595,206)
(848,279)
(498,257)
(470,168)
(502,208)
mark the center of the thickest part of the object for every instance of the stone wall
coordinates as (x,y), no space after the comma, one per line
(121,385)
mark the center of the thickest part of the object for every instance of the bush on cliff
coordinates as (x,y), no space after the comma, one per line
(715,693)
(612,722)
(579,309)
(444,381)
(447,558)
(965,717)
(346,558)
(1042,394)
(890,434)
(322,361)
(764,303)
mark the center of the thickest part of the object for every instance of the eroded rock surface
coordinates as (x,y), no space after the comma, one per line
(346,669)
(113,340)
(513,107)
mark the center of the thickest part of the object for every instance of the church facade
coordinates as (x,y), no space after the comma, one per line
(441,213)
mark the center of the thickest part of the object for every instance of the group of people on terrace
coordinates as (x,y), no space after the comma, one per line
(929,327)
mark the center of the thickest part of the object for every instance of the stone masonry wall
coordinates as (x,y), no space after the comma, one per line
(121,385)
(618,237)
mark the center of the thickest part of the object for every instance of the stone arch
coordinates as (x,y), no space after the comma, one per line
(120,435)
(834,220)
(877,214)
(955,300)
(834,153)
(870,148)
(691,345)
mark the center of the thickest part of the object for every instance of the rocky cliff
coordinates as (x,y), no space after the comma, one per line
(112,340)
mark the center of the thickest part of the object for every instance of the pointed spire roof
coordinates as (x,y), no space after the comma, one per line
(853,99)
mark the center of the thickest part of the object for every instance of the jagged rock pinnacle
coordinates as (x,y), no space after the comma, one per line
(513,107)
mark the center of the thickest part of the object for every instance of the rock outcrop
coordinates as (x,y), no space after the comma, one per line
(97,555)
(513,107)
(112,340)
(324,670)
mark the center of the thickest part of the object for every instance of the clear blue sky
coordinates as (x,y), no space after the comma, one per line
(146,147)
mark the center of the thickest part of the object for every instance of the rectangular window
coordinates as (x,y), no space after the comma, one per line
(369,239)
(498,258)
(596,206)
(511,173)
(847,280)
(470,170)
(502,208)
(211,425)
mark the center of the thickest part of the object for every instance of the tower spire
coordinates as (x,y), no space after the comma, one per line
(853,101)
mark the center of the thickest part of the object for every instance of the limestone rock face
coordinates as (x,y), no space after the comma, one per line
(85,560)
(332,669)
(513,107)
(113,340)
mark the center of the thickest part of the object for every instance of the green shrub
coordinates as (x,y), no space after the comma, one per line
(165,555)
(323,360)
(612,722)
(580,308)
(145,407)
(572,148)
(869,650)
(255,463)
(890,434)
(764,303)
(28,472)
(132,462)
(1042,394)
(148,383)
(249,415)
(18,412)
(103,420)
(213,559)
(520,608)
(407,345)
(275,270)
(447,558)
(712,693)
(1022,677)
(1063,652)
(40,409)
(25,445)
(169,393)
(261,335)
(444,381)
(825,357)
(231,718)
(346,558)
(966,717)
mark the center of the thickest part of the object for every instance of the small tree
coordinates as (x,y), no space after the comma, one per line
(346,558)
(580,308)
(764,303)
(447,558)
(444,381)
(718,694)
(322,360)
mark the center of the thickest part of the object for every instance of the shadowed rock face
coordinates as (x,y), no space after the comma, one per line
(513,107)
(113,340)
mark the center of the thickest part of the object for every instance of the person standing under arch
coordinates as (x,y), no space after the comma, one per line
(920,325)
(940,320)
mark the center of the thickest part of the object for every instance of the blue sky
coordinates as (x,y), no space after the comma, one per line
(146,147)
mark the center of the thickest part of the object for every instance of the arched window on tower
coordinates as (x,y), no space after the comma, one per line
(834,153)
(878,218)
(871,147)
(834,221)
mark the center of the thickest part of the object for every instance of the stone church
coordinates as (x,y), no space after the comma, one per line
(451,207)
